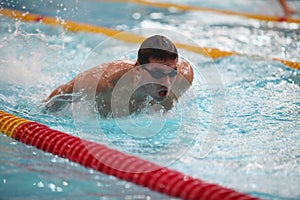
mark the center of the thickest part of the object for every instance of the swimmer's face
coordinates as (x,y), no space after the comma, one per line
(162,74)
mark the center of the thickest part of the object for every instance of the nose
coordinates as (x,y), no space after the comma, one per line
(166,81)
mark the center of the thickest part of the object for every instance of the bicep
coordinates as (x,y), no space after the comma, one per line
(184,79)
(186,71)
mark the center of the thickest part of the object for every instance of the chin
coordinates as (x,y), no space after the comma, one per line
(159,98)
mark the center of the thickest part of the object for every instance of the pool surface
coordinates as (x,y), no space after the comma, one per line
(237,126)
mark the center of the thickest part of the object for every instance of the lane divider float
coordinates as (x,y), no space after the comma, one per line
(182,7)
(123,166)
(214,53)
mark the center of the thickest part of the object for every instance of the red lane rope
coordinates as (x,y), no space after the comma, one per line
(113,162)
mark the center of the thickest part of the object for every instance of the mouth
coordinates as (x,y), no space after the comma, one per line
(163,93)
(159,92)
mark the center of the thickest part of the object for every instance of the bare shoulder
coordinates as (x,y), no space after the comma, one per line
(109,73)
(119,67)
(115,70)
(186,70)
(109,68)
(105,75)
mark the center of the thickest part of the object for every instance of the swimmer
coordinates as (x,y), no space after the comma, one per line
(152,77)
(287,10)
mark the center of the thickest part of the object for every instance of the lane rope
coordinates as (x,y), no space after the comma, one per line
(123,166)
(68,25)
(183,7)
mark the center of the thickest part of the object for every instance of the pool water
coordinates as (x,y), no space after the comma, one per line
(237,126)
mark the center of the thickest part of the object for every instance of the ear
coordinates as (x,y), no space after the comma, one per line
(137,66)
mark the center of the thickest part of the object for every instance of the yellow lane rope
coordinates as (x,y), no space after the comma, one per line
(183,7)
(9,123)
(125,36)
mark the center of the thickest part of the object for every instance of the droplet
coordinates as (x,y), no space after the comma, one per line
(52,187)
(59,189)
(40,184)
(156,15)
(136,15)
(65,183)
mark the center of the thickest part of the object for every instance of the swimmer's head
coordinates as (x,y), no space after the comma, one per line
(157,58)
(157,47)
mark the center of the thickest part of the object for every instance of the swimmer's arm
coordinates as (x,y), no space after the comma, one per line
(287,10)
(183,80)
(86,81)
(62,89)
(168,103)
(181,84)
(186,71)
(59,97)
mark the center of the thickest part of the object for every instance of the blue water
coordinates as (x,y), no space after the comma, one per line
(238,125)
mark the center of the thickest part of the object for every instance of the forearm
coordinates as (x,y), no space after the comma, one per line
(62,89)
(59,97)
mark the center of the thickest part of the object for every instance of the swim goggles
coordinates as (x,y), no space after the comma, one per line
(159,74)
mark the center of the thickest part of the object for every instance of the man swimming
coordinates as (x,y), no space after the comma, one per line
(148,81)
